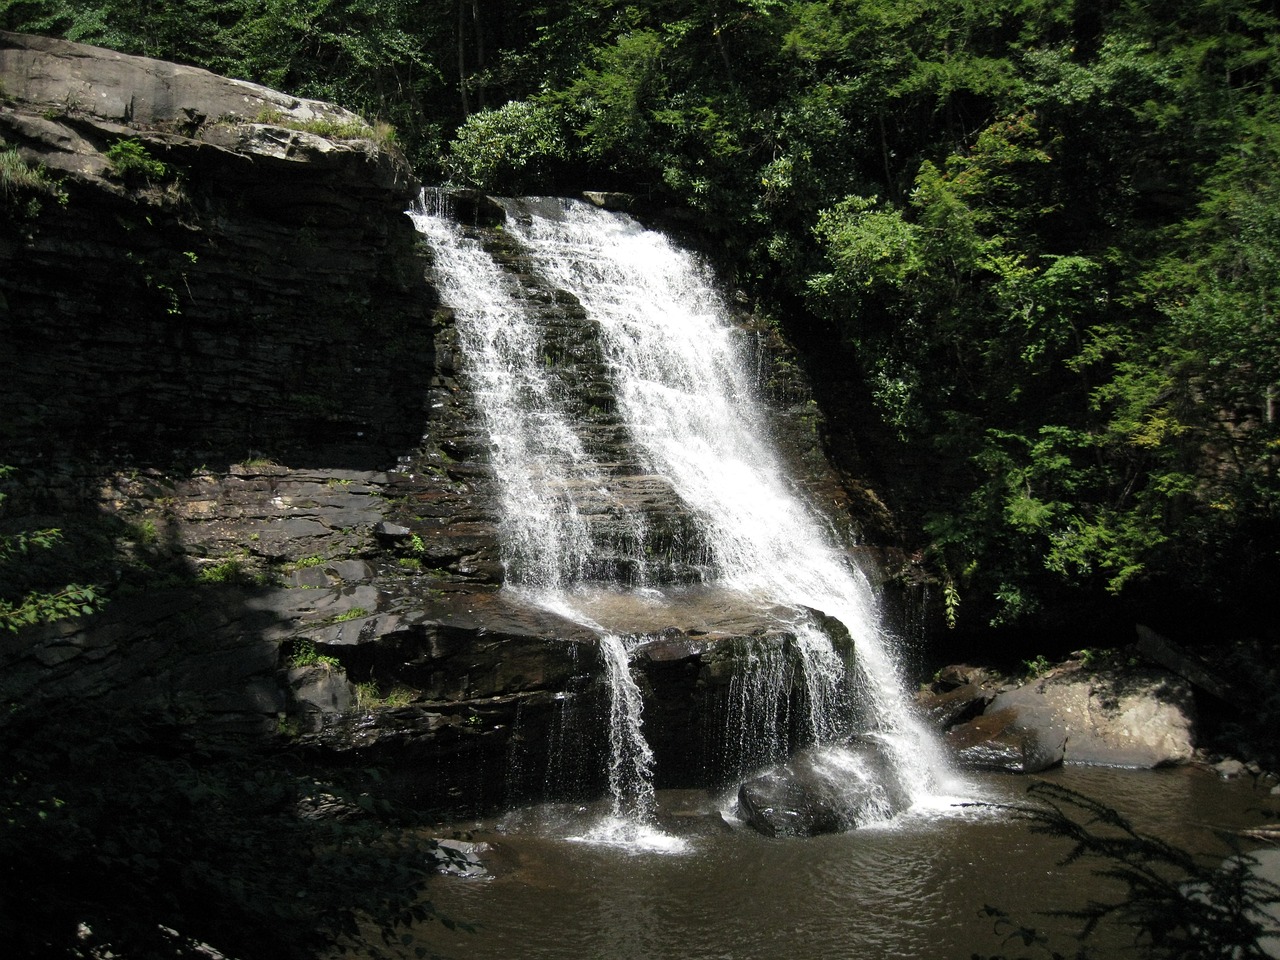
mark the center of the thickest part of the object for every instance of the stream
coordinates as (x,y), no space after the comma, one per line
(708,889)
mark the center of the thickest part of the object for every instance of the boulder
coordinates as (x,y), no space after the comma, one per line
(962,675)
(459,858)
(822,790)
(957,705)
(1229,769)
(1130,718)
(1007,741)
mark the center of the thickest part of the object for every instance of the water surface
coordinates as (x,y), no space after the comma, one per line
(914,888)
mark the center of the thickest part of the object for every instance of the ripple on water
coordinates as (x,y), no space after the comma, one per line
(567,883)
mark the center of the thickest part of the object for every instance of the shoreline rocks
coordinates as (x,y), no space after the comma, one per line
(1116,714)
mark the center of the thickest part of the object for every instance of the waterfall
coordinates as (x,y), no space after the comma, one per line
(630,759)
(678,379)
(686,395)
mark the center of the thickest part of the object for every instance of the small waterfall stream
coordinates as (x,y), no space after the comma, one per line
(685,398)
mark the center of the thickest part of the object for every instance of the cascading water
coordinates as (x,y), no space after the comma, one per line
(630,759)
(684,392)
(535,451)
(677,375)
(539,459)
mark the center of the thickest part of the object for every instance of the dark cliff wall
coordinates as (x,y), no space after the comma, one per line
(254,292)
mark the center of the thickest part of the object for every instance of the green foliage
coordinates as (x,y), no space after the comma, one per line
(332,128)
(233,570)
(508,149)
(1037,667)
(130,160)
(611,103)
(23,186)
(23,604)
(369,696)
(305,655)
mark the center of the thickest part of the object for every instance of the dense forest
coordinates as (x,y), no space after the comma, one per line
(1041,237)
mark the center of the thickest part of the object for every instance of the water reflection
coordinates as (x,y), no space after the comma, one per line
(913,888)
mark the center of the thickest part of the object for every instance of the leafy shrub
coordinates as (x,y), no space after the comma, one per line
(23,604)
(306,655)
(233,570)
(508,150)
(130,160)
(22,185)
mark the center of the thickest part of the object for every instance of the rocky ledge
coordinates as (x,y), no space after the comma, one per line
(230,382)
(198,268)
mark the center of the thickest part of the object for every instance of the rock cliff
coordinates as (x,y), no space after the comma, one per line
(228,378)
(208,276)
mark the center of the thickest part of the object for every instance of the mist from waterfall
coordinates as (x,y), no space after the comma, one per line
(688,401)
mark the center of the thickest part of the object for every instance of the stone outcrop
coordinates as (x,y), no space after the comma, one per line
(1006,741)
(229,380)
(1114,714)
(215,281)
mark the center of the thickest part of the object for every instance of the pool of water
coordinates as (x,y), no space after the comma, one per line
(706,888)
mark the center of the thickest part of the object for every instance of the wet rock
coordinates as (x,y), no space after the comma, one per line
(1004,740)
(1229,769)
(459,858)
(320,689)
(962,675)
(822,790)
(1129,718)
(956,705)
(609,201)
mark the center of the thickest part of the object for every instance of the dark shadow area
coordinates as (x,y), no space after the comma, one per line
(125,836)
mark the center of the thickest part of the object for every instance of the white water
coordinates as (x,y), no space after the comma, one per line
(686,398)
(685,393)
(546,476)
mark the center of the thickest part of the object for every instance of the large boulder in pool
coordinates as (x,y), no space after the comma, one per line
(822,790)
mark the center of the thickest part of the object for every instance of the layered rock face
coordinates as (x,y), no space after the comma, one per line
(228,378)
(215,280)
(218,337)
